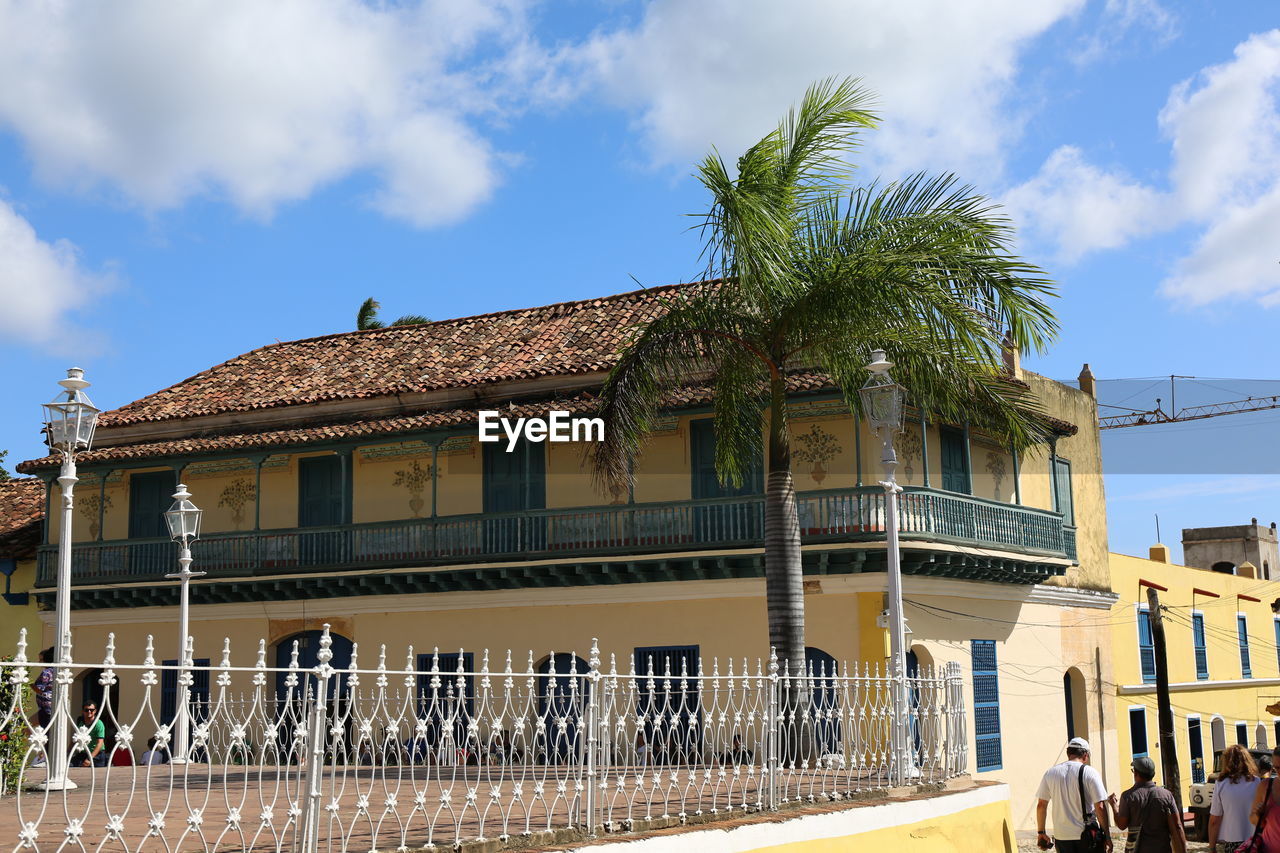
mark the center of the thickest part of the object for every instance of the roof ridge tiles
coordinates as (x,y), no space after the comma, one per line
(499,358)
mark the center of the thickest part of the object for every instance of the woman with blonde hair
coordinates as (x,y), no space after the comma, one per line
(1233,794)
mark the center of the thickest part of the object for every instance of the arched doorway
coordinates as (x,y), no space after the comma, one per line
(1075,702)
(292,701)
(106,698)
(563,690)
(1218,734)
(824,699)
(1260,736)
(920,695)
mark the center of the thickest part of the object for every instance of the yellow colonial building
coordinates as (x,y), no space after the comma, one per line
(343,482)
(1223,640)
(21,531)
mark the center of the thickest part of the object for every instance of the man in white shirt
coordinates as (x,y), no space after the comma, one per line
(1061,786)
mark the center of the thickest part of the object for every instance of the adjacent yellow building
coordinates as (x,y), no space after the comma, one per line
(343,482)
(1223,640)
(22,513)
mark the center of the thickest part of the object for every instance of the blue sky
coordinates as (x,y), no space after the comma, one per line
(180,183)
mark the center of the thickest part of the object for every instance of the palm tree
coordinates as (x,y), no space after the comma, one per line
(367,317)
(811,276)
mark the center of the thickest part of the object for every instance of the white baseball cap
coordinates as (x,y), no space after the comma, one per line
(1078,743)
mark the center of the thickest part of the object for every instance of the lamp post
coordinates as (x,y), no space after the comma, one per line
(882,404)
(183,520)
(69,424)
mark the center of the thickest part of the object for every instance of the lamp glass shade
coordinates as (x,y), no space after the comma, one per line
(882,402)
(69,423)
(183,517)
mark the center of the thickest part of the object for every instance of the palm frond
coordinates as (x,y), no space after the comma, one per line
(411,320)
(367,316)
(700,336)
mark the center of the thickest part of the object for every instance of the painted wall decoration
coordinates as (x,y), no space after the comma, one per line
(819,447)
(415,478)
(908,447)
(995,467)
(235,496)
(91,509)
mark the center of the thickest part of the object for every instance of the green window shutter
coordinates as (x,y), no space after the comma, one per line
(319,491)
(1063,500)
(150,494)
(702,464)
(955,461)
(517,480)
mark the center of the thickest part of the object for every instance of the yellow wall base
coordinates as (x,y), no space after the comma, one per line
(976,821)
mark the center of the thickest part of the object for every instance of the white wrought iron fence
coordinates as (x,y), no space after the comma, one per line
(446,749)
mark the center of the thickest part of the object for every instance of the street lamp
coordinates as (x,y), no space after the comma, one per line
(183,520)
(882,405)
(68,427)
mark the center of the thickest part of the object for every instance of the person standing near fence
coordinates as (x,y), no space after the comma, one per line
(43,688)
(1062,785)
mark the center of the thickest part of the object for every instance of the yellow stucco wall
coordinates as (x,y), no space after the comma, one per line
(1084,450)
(981,829)
(1225,698)
(13,618)
(1036,640)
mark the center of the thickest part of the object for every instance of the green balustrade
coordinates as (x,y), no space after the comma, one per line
(832,515)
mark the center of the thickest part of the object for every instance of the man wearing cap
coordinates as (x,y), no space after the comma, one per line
(1061,786)
(1151,811)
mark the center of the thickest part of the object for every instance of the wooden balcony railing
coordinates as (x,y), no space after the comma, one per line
(837,515)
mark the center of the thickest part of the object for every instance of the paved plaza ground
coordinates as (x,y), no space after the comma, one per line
(202,807)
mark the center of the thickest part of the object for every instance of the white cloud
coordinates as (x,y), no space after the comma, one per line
(1080,208)
(723,71)
(1224,176)
(1225,128)
(1120,19)
(41,283)
(262,103)
(1238,257)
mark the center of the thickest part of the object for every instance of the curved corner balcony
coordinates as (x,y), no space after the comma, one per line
(570,535)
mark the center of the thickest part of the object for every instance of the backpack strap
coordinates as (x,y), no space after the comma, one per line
(1084,805)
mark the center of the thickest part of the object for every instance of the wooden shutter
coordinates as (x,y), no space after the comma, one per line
(319,491)
(988,746)
(150,494)
(955,461)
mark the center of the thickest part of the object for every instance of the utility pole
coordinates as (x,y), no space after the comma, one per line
(1168,749)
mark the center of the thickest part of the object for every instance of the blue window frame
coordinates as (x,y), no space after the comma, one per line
(1197,640)
(1276,623)
(447,706)
(669,700)
(1146,647)
(1242,631)
(986,706)
(198,698)
(1197,749)
(1137,731)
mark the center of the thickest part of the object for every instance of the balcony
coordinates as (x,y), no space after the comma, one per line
(830,516)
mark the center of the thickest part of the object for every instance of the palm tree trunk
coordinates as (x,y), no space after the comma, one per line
(784,578)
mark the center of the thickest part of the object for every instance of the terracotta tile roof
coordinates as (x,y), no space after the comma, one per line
(565,339)
(348,430)
(21,514)
(373,428)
